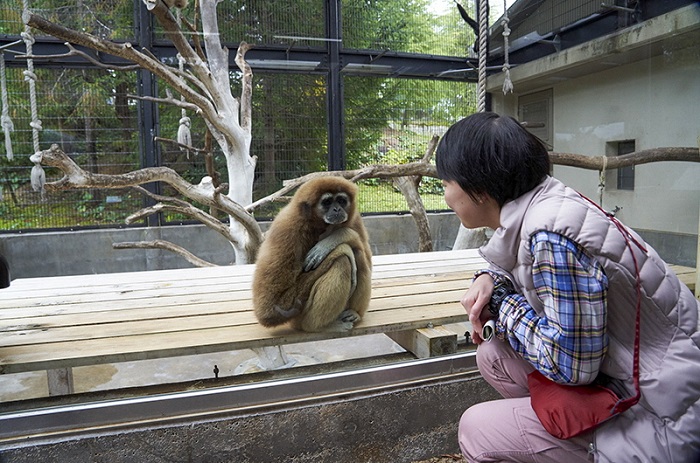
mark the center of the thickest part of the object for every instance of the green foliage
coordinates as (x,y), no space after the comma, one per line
(381,196)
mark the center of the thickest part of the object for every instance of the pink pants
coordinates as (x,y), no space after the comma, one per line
(508,430)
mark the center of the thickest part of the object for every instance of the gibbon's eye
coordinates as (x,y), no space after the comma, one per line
(326,201)
(342,200)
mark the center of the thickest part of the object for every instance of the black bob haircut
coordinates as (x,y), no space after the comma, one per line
(488,153)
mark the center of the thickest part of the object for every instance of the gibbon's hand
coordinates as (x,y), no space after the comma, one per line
(317,253)
(476,302)
(324,247)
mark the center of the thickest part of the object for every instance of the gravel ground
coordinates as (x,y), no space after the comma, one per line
(454,458)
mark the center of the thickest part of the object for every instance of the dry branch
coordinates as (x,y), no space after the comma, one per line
(409,187)
(385,171)
(205,193)
(632,159)
(168,246)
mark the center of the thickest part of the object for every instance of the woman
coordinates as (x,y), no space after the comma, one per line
(562,287)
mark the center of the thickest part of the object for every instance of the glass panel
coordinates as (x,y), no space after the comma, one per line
(88,115)
(108,19)
(391,121)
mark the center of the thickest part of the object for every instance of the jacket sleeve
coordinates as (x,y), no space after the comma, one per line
(566,343)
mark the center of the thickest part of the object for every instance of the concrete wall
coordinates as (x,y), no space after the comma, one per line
(653,102)
(90,251)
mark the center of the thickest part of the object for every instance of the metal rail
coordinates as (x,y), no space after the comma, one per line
(22,428)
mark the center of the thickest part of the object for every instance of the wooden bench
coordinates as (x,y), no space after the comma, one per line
(58,323)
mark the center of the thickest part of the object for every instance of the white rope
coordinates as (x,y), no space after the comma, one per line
(507,83)
(483,32)
(601,180)
(38,178)
(5,121)
(184,135)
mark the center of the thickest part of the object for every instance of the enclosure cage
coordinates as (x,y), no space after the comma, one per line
(336,86)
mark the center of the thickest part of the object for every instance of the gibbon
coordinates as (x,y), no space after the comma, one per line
(314,267)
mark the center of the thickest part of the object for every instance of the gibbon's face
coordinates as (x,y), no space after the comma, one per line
(333,207)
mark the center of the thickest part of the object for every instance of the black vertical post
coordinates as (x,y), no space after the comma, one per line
(334,88)
(147,110)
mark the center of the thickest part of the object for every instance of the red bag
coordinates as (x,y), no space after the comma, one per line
(567,411)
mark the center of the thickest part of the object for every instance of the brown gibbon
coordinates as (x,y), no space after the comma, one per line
(314,267)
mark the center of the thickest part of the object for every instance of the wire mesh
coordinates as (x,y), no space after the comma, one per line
(416,26)
(89,114)
(86,113)
(392,121)
(108,19)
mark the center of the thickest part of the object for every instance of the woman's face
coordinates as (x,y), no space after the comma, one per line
(483,212)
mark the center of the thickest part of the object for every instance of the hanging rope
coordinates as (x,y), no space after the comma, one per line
(5,121)
(507,83)
(38,177)
(483,32)
(184,135)
(601,181)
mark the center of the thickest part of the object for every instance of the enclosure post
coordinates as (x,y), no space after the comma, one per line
(334,88)
(147,110)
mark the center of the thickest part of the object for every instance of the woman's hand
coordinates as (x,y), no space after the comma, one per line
(476,302)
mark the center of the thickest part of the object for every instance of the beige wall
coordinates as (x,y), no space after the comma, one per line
(654,101)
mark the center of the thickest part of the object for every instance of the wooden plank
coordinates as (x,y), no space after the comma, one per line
(687,275)
(426,342)
(60,381)
(188,281)
(64,322)
(388,262)
(154,307)
(75,328)
(91,351)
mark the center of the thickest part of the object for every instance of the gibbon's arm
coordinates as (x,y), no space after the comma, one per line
(324,247)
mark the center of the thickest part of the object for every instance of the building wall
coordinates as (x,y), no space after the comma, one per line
(648,92)
(654,102)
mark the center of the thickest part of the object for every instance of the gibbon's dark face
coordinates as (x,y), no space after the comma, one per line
(333,207)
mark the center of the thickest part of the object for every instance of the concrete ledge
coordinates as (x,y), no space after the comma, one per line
(82,252)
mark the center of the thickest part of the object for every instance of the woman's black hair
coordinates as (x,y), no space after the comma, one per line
(488,153)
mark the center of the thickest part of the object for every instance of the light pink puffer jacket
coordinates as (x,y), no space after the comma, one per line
(664,426)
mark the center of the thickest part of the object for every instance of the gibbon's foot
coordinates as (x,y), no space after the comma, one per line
(339,326)
(349,316)
(289,313)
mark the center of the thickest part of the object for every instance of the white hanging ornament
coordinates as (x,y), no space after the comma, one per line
(507,82)
(38,178)
(5,121)
(184,136)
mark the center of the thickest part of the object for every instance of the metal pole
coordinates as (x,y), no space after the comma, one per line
(334,88)
(147,110)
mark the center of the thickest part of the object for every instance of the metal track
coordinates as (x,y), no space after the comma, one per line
(26,427)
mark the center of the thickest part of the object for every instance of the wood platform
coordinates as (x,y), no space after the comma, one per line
(58,323)
(63,322)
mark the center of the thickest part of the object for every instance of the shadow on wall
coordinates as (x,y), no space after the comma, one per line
(4,273)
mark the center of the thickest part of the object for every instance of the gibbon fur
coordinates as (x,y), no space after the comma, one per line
(314,266)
